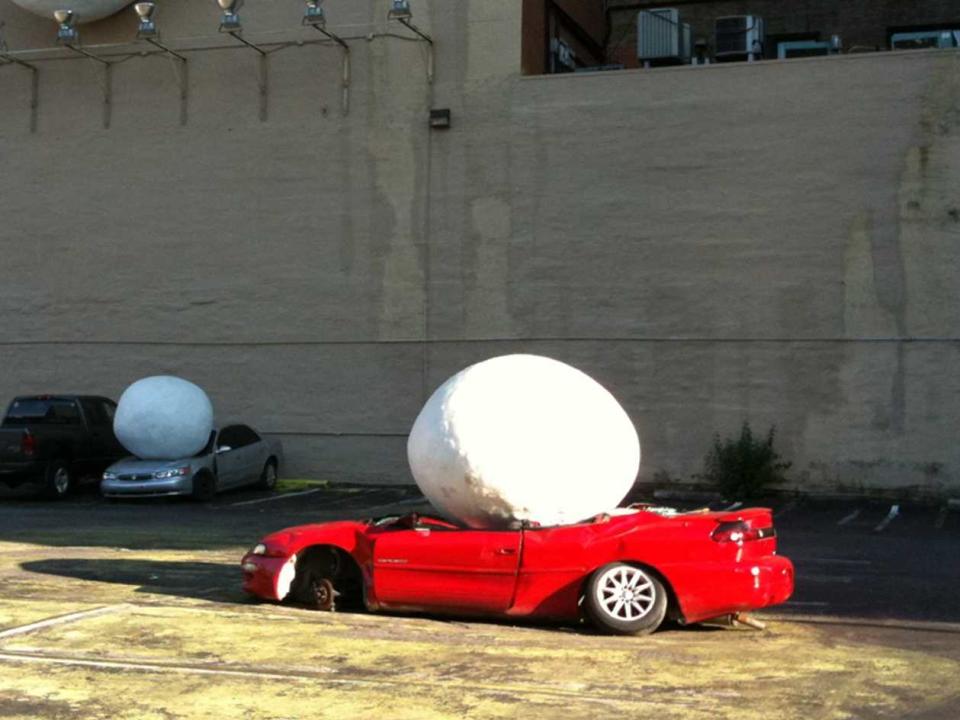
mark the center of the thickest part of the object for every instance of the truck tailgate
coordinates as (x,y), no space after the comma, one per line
(10,445)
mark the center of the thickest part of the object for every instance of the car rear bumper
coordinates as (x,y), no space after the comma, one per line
(269,578)
(713,590)
(146,488)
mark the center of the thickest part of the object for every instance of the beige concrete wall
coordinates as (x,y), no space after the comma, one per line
(773,242)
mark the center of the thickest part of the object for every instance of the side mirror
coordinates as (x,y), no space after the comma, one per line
(223,448)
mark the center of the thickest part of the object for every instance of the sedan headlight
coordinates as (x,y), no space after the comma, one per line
(175,472)
(107,475)
(259,549)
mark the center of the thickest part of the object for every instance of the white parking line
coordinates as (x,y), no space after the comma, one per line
(282,496)
(844,579)
(894,511)
(61,620)
(849,518)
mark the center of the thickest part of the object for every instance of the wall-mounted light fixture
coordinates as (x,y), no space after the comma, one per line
(66,31)
(230,22)
(314,14)
(147,29)
(68,37)
(148,32)
(314,17)
(401,12)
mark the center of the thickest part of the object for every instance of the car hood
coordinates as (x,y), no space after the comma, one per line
(134,465)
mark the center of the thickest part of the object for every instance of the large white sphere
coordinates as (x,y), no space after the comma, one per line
(84,10)
(523,438)
(163,418)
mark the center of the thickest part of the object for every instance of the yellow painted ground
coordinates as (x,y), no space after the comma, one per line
(186,645)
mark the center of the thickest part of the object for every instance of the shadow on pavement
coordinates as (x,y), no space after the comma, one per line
(198,580)
(233,520)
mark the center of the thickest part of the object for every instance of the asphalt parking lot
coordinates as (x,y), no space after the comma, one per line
(133,610)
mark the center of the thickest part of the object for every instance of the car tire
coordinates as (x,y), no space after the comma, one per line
(58,481)
(622,599)
(328,579)
(204,487)
(268,478)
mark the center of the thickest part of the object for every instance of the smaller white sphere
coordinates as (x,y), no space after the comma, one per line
(523,438)
(163,418)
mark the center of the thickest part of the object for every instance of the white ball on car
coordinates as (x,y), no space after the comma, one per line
(523,438)
(163,418)
(84,10)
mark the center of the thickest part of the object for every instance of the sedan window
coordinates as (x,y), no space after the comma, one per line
(237,436)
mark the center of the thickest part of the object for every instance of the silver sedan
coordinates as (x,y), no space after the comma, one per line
(236,455)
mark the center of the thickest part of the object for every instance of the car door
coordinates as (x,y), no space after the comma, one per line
(229,457)
(451,569)
(251,455)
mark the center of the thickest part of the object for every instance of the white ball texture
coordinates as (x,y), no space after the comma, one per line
(163,418)
(523,438)
(84,10)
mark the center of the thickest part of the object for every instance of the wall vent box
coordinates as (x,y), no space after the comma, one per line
(661,36)
(931,39)
(806,48)
(737,36)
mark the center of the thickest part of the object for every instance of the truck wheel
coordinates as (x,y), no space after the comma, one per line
(58,480)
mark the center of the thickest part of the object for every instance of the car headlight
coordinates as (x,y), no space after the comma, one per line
(259,549)
(175,472)
(107,475)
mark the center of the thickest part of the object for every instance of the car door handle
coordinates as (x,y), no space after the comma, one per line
(506,551)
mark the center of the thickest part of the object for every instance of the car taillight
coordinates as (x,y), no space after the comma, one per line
(739,531)
(28,445)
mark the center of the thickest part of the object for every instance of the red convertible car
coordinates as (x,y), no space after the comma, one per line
(624,571)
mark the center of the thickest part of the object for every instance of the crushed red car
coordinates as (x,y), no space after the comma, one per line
(623,571)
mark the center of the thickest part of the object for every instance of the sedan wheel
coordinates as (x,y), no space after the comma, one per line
(268,478)
(204,487)
(625,599)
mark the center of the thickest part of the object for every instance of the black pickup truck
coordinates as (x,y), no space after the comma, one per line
(55,441)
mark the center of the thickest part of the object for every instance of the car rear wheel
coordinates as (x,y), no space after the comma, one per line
(58,480)
(204,487)
(268,478)
(625,600)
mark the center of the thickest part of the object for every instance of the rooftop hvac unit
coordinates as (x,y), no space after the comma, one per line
(661,36)
(931,39)
(738,36)
(807,48)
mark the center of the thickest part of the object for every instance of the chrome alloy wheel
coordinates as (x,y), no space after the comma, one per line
(61,480)
(625,593)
